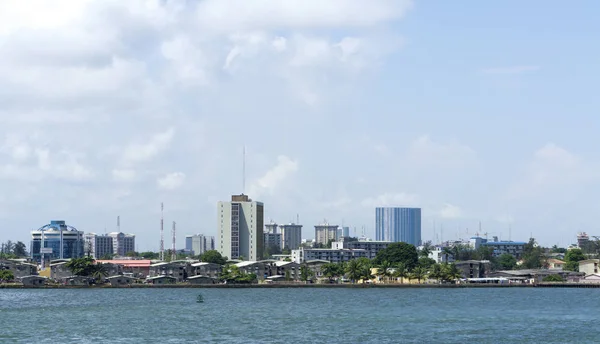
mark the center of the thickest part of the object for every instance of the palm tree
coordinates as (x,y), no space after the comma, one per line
(426,250)
(401,272)
(353,270)
(99,272)
(419,273)
(451,272)
(436,272)
(384,269)
(330,270)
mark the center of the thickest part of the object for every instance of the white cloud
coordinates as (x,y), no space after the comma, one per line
(269,182)
(171,181)
(142,152)
(392,200)
(123,175)
(96,95)
(450,211)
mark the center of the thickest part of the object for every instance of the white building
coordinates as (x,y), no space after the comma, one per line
(197,244)
(291,236)
(98,245)
(240,228)
(122,243)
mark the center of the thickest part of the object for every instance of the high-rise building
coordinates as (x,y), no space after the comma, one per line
(240,226)
(291,236)
(271,227)
(98,246)
(56,240)
(324,233)
(122,243)
(343,232)
(197,244)
(398,224)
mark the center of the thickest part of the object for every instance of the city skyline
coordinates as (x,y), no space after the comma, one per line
(484,113)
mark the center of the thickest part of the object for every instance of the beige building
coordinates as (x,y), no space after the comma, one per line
(240,228)
(589,266)
(325,233)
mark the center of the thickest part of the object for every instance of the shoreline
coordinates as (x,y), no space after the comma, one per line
(326,286)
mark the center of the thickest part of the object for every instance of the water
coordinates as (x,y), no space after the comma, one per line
(482,315)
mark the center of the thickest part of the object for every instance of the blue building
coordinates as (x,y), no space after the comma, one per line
(398,224)
(56,240)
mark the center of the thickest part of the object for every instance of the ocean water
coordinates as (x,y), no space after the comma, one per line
(302,315)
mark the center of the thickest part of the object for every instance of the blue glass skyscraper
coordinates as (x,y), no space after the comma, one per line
(398,224)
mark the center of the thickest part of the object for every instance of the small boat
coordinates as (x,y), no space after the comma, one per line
(199,299)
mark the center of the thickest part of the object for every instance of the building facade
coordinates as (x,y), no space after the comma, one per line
(56,240)
(398,225)
(325,233)
(197,244)
(272,240)
(291,236)
(122,243)
(240,226)
(98,246)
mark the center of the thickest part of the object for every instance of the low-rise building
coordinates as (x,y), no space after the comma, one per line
(139,268)
(474,268)
(206,269)
(268,268)
(331,255)
(179,269)
(120,281)
(589,266)
(555,264)
(33,281)
(200,279)
(18,268)
(158,280)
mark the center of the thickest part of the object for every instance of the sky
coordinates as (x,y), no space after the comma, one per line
(478,112)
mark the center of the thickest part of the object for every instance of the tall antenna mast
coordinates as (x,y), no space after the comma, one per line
(173,249)
(244,170)
(509,232)
(162,233)
(119,224)
(297,219)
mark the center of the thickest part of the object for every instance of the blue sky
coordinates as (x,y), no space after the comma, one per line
(479,112)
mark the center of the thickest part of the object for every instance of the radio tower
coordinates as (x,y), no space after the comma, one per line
(162,234)
(173,249)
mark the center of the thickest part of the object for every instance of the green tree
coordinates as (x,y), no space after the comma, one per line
(330,270)
(556,249)
(149,255)
(107,256)
(305,273)
(132,254)
(426,249)
(20,250)
(400,271)
(418,273)
(384,270)
(398,252)
(533,256)
(213,256)
(553,278)
(6,276)
(436,272)
(450,272)
(81,266)
(99,272)
(572,259)
(507,261)
(231,273)
(426,263)
(353,269)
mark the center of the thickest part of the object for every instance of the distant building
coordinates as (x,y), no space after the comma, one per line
(98,246)
(240,228)
(197,244)
(340,251)
(325,233)
(272,240)
(582,239)
(122,243)
(291,236)
(514,248)
(398,225)
(271,227)
(343,232)
(56,240)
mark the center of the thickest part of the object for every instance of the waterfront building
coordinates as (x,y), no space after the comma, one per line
(56,240)
(514,248)
(329,254)
(291,236)
(398,224)
(325,232)
(240,228)
(197,244)
(98,246)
